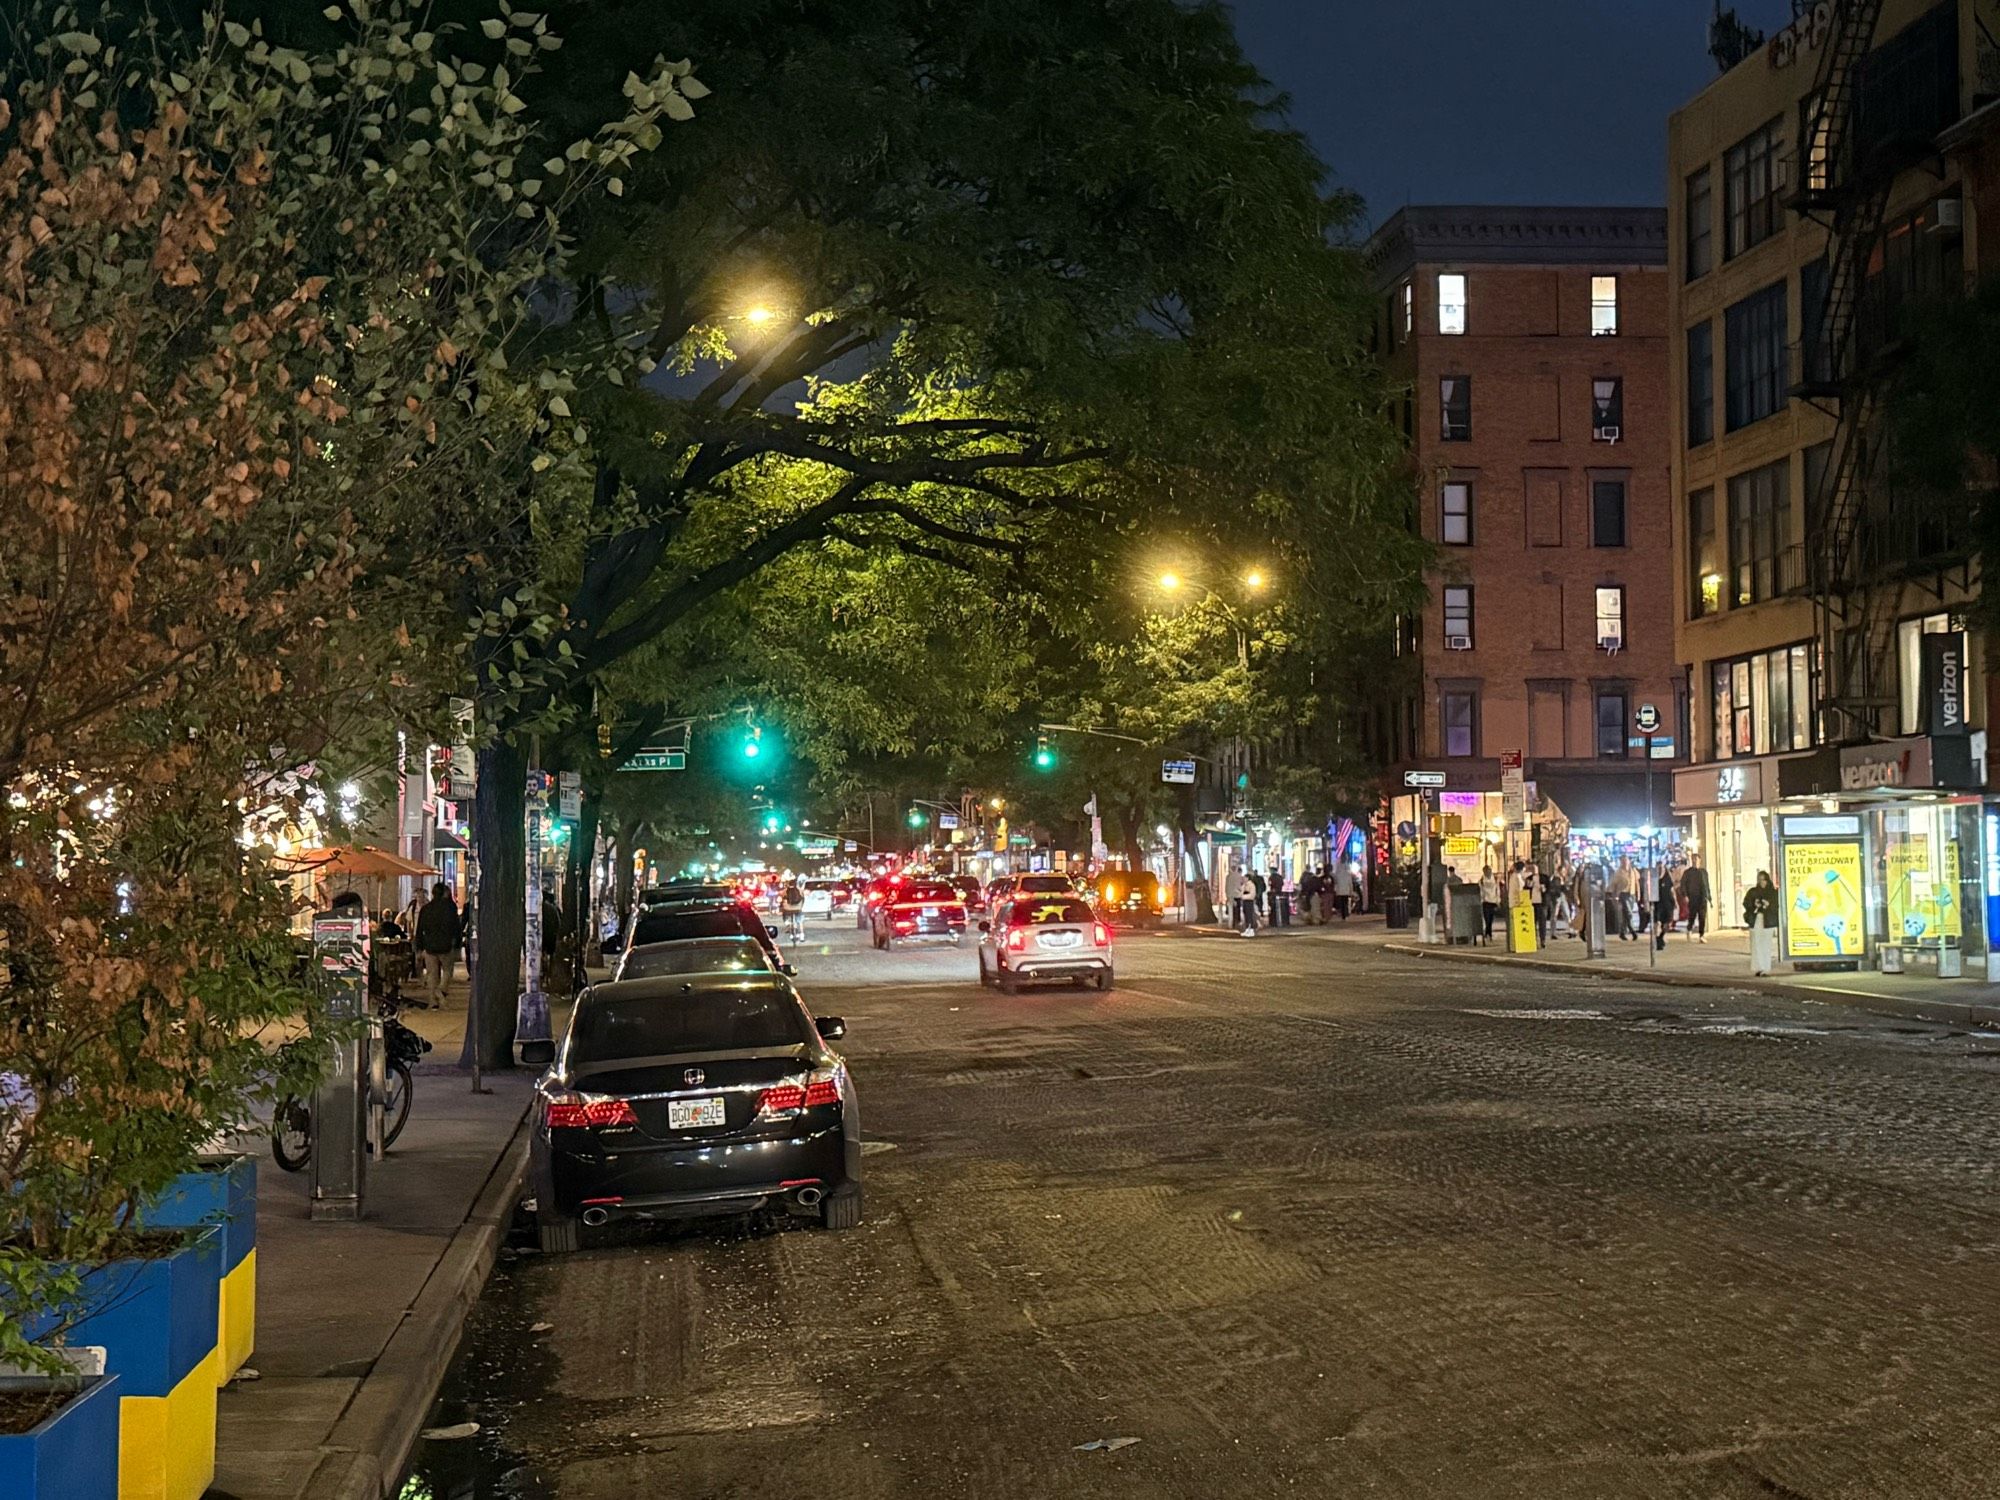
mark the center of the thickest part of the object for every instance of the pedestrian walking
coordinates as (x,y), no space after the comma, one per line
(1343,888)
(1310,885)
(1280,901)
(1540,895)
(1760,915)
(1246,904)
(1623,895)
(1695,891)
(440,934)
(1664,905)
(1489,900)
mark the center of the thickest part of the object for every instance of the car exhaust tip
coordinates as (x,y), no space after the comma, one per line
(809,1197)
(595,1217)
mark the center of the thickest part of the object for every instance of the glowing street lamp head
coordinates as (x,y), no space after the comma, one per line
(1254,579)
(1170,581)
(758,315)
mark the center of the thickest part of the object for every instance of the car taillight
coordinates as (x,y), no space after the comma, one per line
(575,1112)
(1017,939)
(1100,934)
(821,1087)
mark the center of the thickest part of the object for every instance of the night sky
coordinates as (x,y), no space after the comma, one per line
(1490,101)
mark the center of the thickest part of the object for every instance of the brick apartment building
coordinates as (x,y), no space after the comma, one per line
(1532,342)
(1837,178)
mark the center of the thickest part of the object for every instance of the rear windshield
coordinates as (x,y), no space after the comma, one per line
(1029,912)
(927,890)
(664,925)
(739,955)
(607,1030)
(1044,883)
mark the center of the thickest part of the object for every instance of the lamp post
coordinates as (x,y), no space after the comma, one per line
(1252,582)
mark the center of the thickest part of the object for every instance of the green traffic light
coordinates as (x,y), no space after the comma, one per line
(917,818)
(1045,755)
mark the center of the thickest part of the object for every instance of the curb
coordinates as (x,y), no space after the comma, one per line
(1943,1012)
(363,1457)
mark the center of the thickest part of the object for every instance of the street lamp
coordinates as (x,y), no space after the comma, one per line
(1252,581)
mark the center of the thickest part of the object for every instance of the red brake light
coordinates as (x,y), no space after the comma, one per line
(1100,934)
(820,1088)
(1017,939)
(575,1113)
(775,1101)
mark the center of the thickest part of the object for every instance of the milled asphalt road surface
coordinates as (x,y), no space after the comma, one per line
(1303,1218)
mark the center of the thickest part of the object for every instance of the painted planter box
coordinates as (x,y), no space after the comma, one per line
(71,1456)
(156,1321)
(223,1192)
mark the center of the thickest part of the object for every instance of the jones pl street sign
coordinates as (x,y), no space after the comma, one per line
(1423,778)
(657,760)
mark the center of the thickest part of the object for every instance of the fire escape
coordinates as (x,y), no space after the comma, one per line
(1840,184)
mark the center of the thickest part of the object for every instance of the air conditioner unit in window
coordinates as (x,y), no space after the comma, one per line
(1947,216)
(1458,643)
(1607,434)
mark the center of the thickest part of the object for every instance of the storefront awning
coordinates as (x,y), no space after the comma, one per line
(1613,799)
(444,838)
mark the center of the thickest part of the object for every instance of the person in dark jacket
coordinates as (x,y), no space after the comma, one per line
(1760,915)
(1666,905)
(440,933)
(1694,891)
(1281,904)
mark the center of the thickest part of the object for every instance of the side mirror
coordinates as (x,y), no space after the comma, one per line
(985,926)
(833,1028)
(537,1054)
(770,929)
(790,971)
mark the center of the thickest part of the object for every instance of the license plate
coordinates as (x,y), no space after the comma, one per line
(930,911)
(1061,939)
(697,1114)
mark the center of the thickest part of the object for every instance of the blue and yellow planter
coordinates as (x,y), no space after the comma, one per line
(71,1456)
(156,1320)
(223,1192)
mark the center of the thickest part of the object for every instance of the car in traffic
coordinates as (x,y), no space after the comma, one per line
(873,893)
(703,919)
(919,911)
(684,1096)
(971,890)
(1034,938)
(686,890)
(706,955)
(1130,896)
(1036,883)
(825,897)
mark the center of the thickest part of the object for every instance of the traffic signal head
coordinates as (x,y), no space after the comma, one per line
(917,817)
(1045,755)
(753,742)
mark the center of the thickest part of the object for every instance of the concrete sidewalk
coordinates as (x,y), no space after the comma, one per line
(1724,960)
(356,1323)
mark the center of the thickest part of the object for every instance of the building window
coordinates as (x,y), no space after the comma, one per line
(1754,356)
(1760,534)
(1763,703)
(1603,305)
(1750,188)
(1611,724)
(1704,556)
(1607,409)
(1409,307)
(1459,721)
(1607,513)
(1700,225)
(1455,407)
(1816,130)
(1455,522)
(1701,383)
(1458,617)
(1611,617)
(1451,303)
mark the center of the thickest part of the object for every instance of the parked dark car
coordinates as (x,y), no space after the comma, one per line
(702,919)
(1130,896)
(696,1095)
(918,911)
(686,890)
(717,955)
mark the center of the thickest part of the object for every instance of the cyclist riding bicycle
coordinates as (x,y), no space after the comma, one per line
(792,906)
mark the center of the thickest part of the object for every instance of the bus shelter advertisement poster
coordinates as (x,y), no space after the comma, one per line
(1823,910)
(1923,903)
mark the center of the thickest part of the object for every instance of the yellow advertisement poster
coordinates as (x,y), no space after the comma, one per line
(1823,911)
(1923,905)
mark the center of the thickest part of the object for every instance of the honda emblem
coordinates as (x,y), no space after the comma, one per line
(695,1078)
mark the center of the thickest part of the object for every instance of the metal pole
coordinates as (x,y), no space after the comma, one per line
(1655,931)
(1424,934)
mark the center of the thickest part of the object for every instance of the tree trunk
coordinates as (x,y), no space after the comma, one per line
(576,877)
(499,832)
(622,873)
(1204,899)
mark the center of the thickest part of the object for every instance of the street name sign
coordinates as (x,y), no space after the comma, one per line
(657,760)
(1177,772)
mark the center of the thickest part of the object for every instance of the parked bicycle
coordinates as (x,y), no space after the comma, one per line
(292,1121)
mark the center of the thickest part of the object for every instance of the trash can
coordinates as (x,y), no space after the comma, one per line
(1396,911)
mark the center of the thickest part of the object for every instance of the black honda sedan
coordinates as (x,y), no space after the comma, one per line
(688,1095)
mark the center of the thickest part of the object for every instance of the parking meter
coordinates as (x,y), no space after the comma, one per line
(339,1162)
(1593,905)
